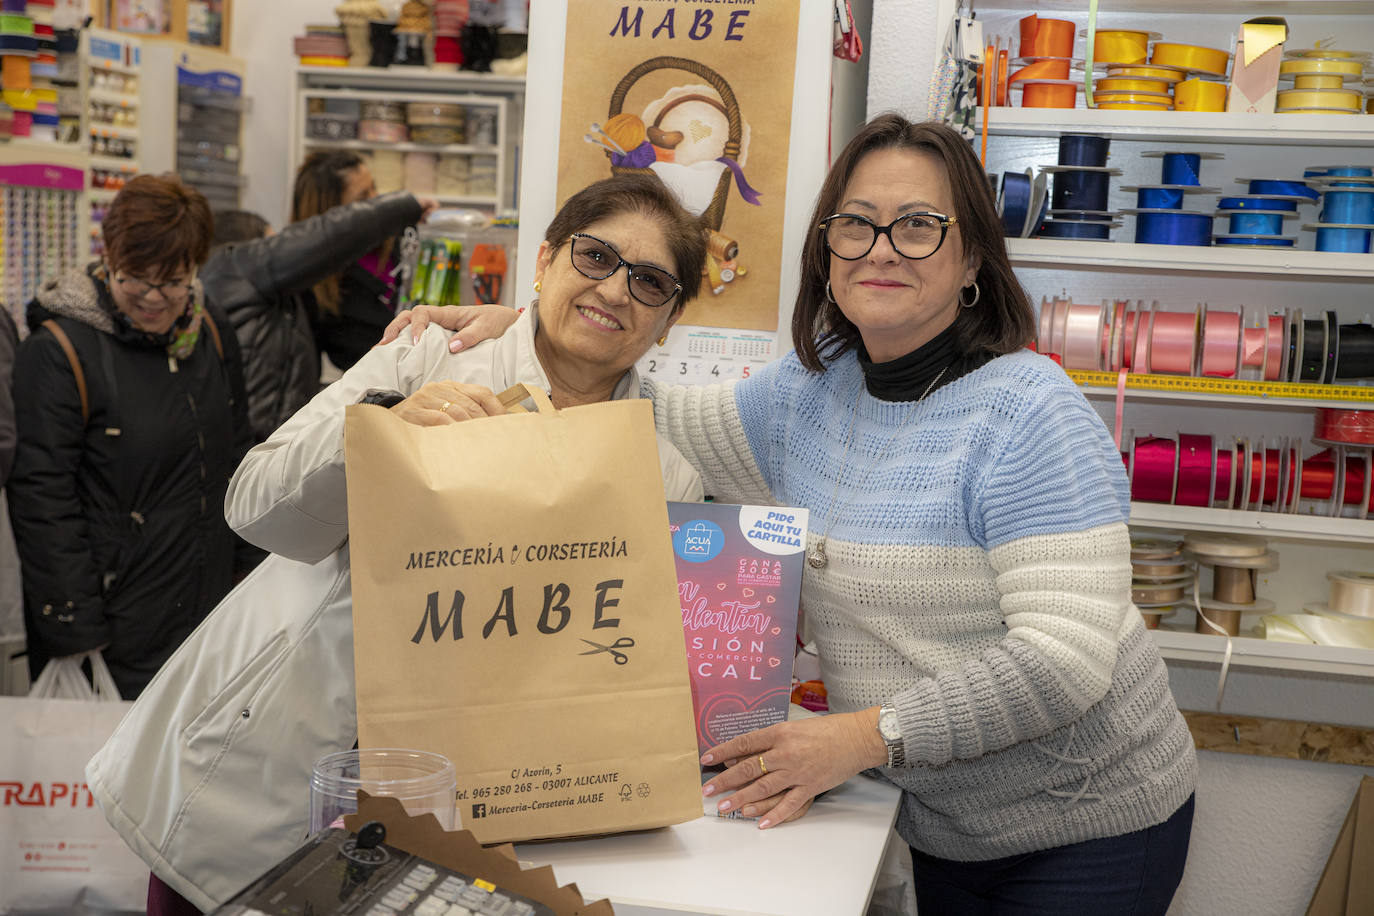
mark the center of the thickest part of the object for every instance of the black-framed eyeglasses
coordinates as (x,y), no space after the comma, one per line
(596,260)
(914,236)
(174,292)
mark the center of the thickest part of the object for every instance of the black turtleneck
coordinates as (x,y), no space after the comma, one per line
(906,377)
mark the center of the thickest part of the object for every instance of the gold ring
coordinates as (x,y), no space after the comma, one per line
(761,765)
(447,405)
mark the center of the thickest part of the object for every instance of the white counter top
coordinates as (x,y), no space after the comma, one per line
(824,864)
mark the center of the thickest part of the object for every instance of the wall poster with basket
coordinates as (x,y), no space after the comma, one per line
(701,97)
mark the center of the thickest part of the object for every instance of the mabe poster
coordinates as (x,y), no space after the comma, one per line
(739,574)
(698,93)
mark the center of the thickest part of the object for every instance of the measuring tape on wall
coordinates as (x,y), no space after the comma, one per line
(1227,386)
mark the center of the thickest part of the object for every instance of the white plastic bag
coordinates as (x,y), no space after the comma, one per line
(56,850)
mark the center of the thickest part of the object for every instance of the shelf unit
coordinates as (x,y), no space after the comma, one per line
(111,67)
(1180,277)
(501,94)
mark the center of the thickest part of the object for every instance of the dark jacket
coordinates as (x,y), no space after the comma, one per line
(120,519)
(264,286)
(9,343)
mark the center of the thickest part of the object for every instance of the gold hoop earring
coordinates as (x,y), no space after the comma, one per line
(537,286)
(977,294)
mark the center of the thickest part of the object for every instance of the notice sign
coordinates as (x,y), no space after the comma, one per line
(739,574)
(698,93)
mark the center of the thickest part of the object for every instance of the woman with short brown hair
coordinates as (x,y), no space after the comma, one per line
(130,414)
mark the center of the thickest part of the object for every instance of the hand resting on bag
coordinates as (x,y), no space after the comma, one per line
(441,403)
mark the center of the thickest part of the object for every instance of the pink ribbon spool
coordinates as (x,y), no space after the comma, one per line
(1083,337)
(1154,468)
(1221,334)
(1251,348)
(1194,470)
(1225,463)
(1173,342)
(1273,348)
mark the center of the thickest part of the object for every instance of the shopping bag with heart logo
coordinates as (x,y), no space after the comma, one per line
(739,574)
(515,609)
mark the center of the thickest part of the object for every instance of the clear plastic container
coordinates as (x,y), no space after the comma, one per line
(424,783)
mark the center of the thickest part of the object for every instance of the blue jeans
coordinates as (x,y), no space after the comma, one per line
(1135,874)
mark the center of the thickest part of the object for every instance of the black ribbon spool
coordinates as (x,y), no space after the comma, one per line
(1313,351)
(1355,353)
(1083,149)
(1333,336)
(1080,190)
(1073,229)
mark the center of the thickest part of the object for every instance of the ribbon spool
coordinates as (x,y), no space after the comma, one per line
(1280,187)
(1199,95)
(1088,230)
(1083,150)
(1195,470)
(1252,222)
(1347,69)
(1355,351)
(1172,227)
(1042,68)
(1254,241)
(1013,202)
(1049,93)
(1155,548)
(1221,344)
(1173,343)
(1129,84)
(1256,202)
(1319,81)
(1190,57)
(1348,239)
(1154,467)
(1078,188)
(1158,198)
(1352,427)
(1046,37)
(1322,479)
(1083,326)
(1351,592)
(1182,168)
(1126,104)
(1121,46)
(1348,207)
(1169,75)
(1350,100)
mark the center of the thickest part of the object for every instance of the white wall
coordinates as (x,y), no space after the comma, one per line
(262,33)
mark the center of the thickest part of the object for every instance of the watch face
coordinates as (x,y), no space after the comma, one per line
(888,726)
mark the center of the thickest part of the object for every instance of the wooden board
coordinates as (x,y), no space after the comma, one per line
(1281,738)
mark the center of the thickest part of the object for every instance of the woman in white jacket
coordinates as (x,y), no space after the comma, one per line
(206,778)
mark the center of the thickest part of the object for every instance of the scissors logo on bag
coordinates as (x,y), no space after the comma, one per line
(621,658)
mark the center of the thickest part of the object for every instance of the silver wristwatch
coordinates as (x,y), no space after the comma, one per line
(891,732)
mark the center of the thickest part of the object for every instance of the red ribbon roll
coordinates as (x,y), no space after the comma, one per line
(1194,470)
(1153,470)
(1173,343)
(1339,425)
(1220,344)
(1225,463)
(1264,476)
(1319,478)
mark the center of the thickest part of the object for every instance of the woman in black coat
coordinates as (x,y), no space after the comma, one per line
(264,284)
(131,419)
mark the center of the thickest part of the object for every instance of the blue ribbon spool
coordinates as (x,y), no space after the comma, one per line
(1016,195)
(1070,229)
(25,45)
(1083,149)
(1353,207)
(1342,171)
(1080,190)
(1256,203)
(1159,198)
(1282,188)
(1354,241)
(1251,242)
(1256,224)
(1173,228)
(1182,168)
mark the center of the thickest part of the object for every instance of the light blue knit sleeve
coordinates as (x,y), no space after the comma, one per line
(704,423)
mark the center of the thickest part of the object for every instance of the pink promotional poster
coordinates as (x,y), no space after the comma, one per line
(739,574)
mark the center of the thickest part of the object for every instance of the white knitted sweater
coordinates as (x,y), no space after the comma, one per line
(978,581)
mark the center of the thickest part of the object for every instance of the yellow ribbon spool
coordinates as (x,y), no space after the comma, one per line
(1190,57)
(1309,81)
(20,99)
(1118,84)
(1200,95)
(1134,106)
(1343,99)
(1150,98)
(1147,73)
(1121,46)
(1301,66)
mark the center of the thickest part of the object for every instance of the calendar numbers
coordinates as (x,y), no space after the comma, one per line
(703,356)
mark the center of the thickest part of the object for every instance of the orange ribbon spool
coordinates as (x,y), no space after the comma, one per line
(1046,37)
(1200,95)
(1190,57)
(1049,95)
(1042,70)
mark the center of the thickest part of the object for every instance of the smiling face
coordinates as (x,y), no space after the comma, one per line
(151,310)
(595,328)
(896,303)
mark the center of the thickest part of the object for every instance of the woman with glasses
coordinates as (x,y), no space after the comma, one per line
(130,409)
(619,262)
(968,577)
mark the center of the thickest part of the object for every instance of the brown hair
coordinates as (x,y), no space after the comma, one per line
(1001,322)
(156,226)
(638,193)
(320,184)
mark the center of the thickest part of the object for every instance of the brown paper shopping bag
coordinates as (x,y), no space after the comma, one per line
(515,609)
